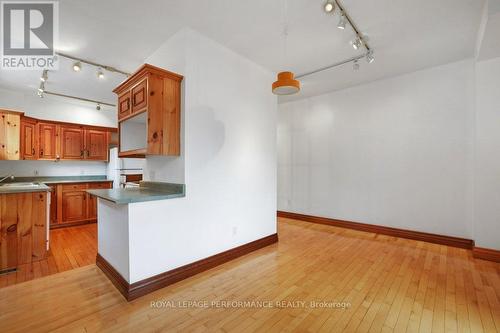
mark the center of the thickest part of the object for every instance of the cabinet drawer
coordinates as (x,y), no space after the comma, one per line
(102,185)
(74,187)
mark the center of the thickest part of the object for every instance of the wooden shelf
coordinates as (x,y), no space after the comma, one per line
(136,153)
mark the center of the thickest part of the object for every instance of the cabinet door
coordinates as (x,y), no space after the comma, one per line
(139,95)
(47,138)
(72,139)
(8,231)
(28,140)
(96,145)
(10,125)
(74,206)
(123,105)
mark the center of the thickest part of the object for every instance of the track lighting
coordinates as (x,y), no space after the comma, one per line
(98,107)
(77,66)
(342,22)
(355,65)
(100,73)
(44,76)
(41,89)
(356,43)
(329,6)
(369,57)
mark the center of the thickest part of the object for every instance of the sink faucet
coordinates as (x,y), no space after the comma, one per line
(4,178)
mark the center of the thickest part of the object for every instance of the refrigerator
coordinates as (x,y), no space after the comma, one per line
(119,167)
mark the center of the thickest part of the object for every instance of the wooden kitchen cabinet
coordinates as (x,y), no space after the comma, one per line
(124,105)
(47,138)
(72,143)
(10,126)
(155,92)
(29,136)
(23,221)
(74,206)
(96,145)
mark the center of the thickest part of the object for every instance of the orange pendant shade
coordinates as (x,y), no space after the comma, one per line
(286,84)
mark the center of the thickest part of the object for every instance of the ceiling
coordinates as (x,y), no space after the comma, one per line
(406,35)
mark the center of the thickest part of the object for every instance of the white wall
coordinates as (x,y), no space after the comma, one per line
(487,171)
(59,109)
(228,161)
(396,152)
(50,168)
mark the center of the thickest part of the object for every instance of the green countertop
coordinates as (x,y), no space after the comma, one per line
(59,179)
(147,191)
(43,181)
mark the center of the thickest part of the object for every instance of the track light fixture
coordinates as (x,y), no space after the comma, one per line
(100,73)
(44,76)
(329,6)
(369,57)
(342,22)
(356,43)
(77,66)
(41,89)
(355,65)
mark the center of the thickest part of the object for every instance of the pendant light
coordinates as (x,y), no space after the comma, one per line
(286,84)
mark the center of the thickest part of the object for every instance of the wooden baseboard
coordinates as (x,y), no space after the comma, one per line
(71,224)
(143,287)
(416,235)
(486,254)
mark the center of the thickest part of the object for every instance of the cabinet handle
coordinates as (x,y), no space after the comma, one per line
(33,151)
(41,152)
(81,153)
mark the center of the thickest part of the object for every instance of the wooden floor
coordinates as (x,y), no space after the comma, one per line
(70,247)
(390,284)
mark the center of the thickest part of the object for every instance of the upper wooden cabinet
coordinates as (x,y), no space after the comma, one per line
(72,143)
(32,139)
(10,128)
(96,145)
(124,105)
(47,138)
(156,92)
(29,135)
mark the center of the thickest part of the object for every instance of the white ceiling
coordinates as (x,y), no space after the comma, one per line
(406,35)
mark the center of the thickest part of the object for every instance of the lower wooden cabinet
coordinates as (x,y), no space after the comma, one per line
(73,205)
(23,232)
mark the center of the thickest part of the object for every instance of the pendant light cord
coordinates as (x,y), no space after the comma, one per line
(285,33)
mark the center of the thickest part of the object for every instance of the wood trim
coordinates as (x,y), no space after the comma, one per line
(71,224)
(120,283)
(137,153)
(143,71)
(486,254)
(146,286)
(20,113)
(403,233)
